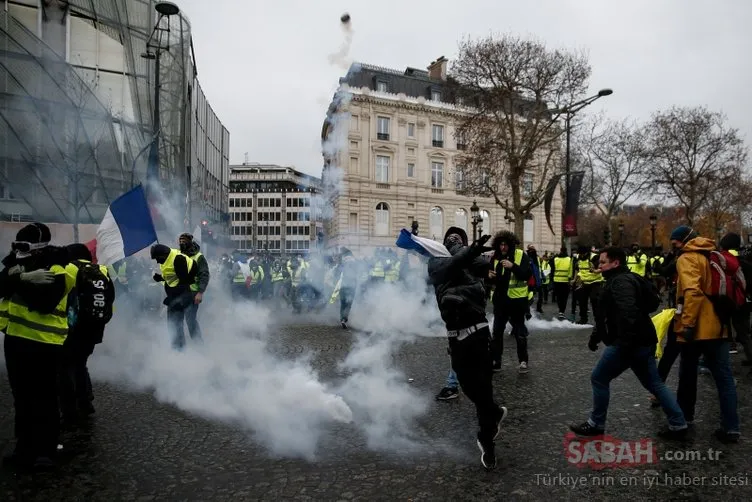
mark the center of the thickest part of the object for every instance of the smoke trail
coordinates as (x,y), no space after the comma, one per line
(341,57)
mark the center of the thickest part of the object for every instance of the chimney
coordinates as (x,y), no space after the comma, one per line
(437,69)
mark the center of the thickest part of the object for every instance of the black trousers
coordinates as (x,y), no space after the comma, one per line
(588,293)
(512,312)
(670,352)
(471,361)
(346,297)
(561,291)
(32,373)
(740,322)
(75,383)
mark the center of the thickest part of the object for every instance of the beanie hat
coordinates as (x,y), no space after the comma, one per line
(186,236)
(34,233)
(731,241)
(79,252)
(682,234)
(458,231)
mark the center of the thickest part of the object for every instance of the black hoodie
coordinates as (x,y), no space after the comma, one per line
(521,272)
(458,283)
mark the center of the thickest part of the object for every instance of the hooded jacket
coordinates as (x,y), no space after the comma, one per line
(521,272)
(159,252)
(202,266)
(458,284)
(620,320)
(693,285)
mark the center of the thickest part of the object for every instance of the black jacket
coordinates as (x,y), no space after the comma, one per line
(42,298)
(201,266)
(620,320)
(458,283)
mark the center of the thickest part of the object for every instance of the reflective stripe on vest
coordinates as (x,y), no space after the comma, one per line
(562,268)
(392,275)
(194,286)
(733,252)
(653,261)
(44,328)
(377,270)
(517,288)
(277,277)
(168,268)
(545,265)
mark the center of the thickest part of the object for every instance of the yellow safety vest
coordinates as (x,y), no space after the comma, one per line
(637,265)
(377,270)
(43,328)
(733,252)
(392,275)
(257,276)
(168,268)
(587,276)
(277,277)
(517,288)
(239,277)
(545,265)
(562,268)
(195,257)
(653,261)
(295,274)
(4,303)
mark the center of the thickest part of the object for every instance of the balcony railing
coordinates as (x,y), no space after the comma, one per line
(437,190)
(383,136)
(438,143)
(384,186)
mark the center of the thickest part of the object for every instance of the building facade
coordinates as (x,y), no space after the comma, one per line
(274,208)
(77,112)
(391,157)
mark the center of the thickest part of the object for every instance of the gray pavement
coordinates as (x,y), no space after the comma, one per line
(138,448)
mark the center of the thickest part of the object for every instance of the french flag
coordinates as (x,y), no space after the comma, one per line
(126,229)
(426,247)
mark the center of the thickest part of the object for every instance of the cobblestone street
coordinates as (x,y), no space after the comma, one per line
(140,449)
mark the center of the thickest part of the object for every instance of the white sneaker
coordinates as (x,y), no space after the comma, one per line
(523,367)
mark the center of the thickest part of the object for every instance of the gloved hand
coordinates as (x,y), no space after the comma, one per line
(38,277)
(157,278)
(689,333)
(593,343)
(15,269)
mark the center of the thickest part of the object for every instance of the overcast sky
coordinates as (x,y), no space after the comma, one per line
(264,66)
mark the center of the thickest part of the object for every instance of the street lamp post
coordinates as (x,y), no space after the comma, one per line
(607,236)
(569,112)
(621,233)
(653,223)
(476,219)
(164,9)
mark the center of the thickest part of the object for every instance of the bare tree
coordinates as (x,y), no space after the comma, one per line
(725,207)
(512,88)
(616,159)
(694,154)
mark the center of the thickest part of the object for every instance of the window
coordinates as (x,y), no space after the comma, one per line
(382,128)
(486,221)
(382,219)
(436,223)
(381,86)
(459,179)
(460,219)
(354,167)
(354,123)
(437,133)
(527,185)
(528,231)
(437,174)
(410,130)
(435,95)
(382,169)
(461,143)
(410,170)
(411,152)
(353,223)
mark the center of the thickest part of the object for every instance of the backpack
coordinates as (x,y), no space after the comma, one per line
(650,299)
(727,286)
(94,295)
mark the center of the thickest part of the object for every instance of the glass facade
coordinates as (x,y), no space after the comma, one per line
(77,121)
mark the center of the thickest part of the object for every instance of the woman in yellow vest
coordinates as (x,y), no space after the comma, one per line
(35,281)
(178,273)
(511,272)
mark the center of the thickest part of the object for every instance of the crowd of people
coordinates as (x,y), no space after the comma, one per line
(56,303)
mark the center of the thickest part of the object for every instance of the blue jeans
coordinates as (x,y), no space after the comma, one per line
(716,354)
(451,381)
(641,360)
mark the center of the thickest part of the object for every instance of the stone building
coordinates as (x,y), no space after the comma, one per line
(390,153)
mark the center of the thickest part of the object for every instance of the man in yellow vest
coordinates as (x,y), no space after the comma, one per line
(591,280)
(562,269)
(190,248)
(89,310)
(178,272)
(510,274)
(35,281)
(637,261)
(545,277)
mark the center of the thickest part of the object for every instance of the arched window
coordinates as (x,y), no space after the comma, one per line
(460,219)
(436,223)
(382,219)
(528,232)
(486,223)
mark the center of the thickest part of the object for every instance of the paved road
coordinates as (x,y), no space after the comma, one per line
(138,448)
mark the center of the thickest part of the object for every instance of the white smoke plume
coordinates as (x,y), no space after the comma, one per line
(341,58)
